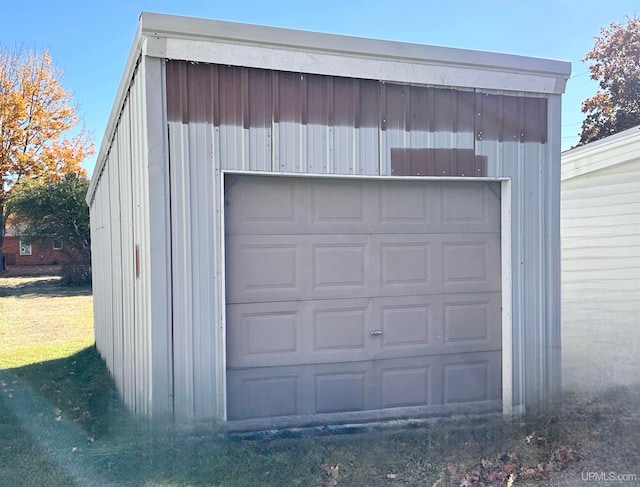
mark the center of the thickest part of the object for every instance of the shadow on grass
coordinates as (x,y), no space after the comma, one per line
(40,287)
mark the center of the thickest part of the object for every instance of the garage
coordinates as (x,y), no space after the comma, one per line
(347,295)
(294,228)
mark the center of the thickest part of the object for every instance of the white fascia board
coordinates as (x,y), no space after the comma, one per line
(601,154)
(211,41)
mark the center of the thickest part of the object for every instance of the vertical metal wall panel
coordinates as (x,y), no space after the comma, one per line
(138,161)
(192,224)
(259,106)
(289,134)
(123,295)
(119,333)
(156,239)
(193,200)
(368,128)
(140,336)
(512,132)
(551,282)
(127,257)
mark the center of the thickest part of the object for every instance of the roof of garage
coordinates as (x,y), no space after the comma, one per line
(258,46)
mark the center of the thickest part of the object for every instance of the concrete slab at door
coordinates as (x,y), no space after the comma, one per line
(347,296)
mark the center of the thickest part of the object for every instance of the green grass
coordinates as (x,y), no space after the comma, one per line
(61,421)
(41,320)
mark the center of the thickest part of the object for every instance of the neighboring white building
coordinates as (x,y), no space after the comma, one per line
(601,261)
(291,227)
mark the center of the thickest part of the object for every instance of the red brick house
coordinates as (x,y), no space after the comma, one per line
(21,251)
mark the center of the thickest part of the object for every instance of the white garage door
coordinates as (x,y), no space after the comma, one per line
(357,295)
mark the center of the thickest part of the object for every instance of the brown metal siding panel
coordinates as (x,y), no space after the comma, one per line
(512,120)
(289,97)
(421,116)
(444,107)
(489,123)
(466,111)
(436,162)
(465,163)
(535,110)
(229,97)
(345,96)
(347,126)
(317,100)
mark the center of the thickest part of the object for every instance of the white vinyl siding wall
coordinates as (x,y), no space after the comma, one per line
(601,248)
(601,261)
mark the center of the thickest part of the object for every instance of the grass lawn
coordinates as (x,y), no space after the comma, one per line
(41,320)
(61,424)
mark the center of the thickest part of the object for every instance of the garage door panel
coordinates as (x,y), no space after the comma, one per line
(405,323)
(268,269)
(338,392)
(427,381)
(262,397)
(299,332)
(438,263)
(436,324)
(338,202)
(300,390)
(405,385)
(470,263)
(472,378)
(346,296)
(468,321)
(407,205)
(405,263)
(264,334)
(471,207)
(265,205)
(339,329)
(339,264)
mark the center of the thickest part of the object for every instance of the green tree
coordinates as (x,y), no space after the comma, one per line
(57,210)
(615,64)
(36,113)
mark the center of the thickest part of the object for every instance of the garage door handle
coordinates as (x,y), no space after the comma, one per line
(376,332)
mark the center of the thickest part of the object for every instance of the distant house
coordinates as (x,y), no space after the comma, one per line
(19,250)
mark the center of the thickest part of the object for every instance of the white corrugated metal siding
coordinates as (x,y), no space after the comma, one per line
(122,260)
(532,163)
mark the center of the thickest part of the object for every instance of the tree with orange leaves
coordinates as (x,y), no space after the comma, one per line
(615,64)
(36,114)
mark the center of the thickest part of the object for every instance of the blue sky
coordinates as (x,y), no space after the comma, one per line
(90,40)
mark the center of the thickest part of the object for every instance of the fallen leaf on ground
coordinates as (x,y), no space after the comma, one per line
(333,472)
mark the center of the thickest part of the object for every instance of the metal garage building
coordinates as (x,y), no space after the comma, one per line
(291,227)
